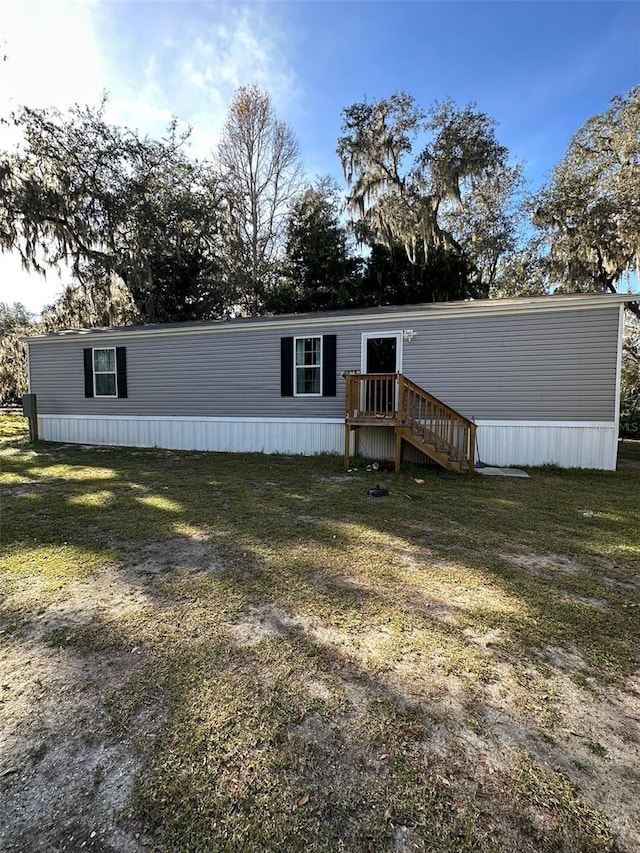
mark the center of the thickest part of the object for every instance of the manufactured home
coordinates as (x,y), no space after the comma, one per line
(525,381)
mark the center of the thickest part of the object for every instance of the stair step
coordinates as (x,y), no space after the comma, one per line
(436,451)
(422,419)
(440,448)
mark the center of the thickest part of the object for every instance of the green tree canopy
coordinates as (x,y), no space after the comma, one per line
(95,302)
(101,199)
(16,321)
(589,212)
(391,279)
(489,224)
(407,193)
(630,373)
(318,271)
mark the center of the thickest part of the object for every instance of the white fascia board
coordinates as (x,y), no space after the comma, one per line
(193,419)
(412,314)
(237,420)
(563,424)
(619,369)
(28,367)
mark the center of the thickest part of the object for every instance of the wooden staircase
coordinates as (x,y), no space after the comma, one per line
(417,417)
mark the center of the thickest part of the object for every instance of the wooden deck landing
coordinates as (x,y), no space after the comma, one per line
(416,416)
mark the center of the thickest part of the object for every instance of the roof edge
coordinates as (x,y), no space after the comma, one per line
(424,311)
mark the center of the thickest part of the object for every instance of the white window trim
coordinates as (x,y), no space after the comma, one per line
(295,366)
(363,348)
(104,372)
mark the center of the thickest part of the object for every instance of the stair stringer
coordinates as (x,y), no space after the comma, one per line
(429,448)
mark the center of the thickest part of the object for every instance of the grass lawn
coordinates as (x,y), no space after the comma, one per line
(208,652)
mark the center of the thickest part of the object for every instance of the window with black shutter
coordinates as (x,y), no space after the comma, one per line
(105,372)
(308,366)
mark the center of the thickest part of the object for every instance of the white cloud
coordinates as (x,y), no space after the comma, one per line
(191,65)
(33,291)
(53,59)
(155,60)
(53,54)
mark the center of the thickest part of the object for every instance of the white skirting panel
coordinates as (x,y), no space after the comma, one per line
(502,443)
(569,444)
(304,436)
(380,443)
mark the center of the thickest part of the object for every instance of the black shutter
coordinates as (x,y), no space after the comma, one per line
(121,370)
(329,366)
(286,367)
(88,372)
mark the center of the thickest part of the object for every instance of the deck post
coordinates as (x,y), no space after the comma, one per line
(472,448)
(356,441)
(400,410)
(398,450)
(347,445)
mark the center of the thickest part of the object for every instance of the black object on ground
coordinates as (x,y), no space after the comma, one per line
(378,492)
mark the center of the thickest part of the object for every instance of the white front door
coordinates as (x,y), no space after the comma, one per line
(381,353)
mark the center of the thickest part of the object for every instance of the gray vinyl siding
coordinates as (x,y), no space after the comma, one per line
(528,365)
(216,374)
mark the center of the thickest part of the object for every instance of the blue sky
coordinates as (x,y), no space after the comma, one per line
(539,68)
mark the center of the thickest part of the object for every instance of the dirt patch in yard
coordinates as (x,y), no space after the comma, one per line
(191,555)
(544,563)
(67,765)
(569,725)
(65,778)
(67,774)
(590,735)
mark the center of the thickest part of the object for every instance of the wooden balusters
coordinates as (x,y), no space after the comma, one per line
(389,399)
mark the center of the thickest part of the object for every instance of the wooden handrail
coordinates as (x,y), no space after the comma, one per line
(438,422)
(371,395)
(392,396)
(418,390)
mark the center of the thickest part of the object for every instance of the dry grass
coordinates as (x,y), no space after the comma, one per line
(277,661)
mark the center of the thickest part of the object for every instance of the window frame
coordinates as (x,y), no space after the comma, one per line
(318,366)
(365,336)
(113,372)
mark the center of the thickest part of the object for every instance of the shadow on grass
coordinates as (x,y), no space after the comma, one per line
(291,535)
(305,730)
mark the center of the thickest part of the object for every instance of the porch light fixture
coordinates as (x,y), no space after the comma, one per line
(408,335)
